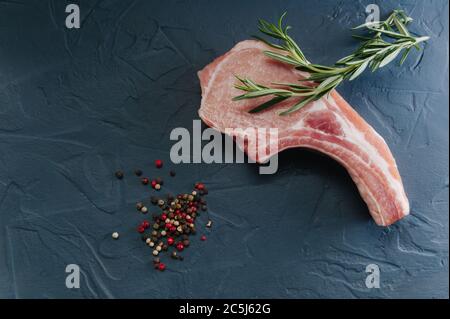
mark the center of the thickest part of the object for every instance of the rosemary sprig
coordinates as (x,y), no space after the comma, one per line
(374,52)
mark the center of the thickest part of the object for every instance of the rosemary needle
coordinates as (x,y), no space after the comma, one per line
(374,53)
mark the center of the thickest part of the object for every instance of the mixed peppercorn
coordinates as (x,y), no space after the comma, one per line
(169,229)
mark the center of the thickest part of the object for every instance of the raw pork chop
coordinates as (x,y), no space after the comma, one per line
(329,125)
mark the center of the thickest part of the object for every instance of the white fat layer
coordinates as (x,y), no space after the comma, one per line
(358,137)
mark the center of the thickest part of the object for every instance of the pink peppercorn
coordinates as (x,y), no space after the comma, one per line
(158,163)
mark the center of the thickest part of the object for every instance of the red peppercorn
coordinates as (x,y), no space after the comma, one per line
(141,229)
(144,180)
(168,225)
(200,186)
(163,216)
(180,246)
(145,224)
(203,238)
(161,266)
(158,163)
(170,241)
(153,183)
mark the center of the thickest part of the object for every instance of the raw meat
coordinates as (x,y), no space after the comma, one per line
(329,125)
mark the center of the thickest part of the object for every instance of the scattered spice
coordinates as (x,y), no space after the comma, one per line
(169,230)
(172,227)
(119,174)
(161,266)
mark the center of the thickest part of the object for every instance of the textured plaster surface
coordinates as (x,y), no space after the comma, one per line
(75,105)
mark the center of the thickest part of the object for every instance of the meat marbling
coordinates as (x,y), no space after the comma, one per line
(329,125)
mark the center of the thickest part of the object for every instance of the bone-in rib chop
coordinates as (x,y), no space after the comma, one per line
(329,125)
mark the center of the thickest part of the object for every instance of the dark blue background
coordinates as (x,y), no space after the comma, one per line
(75,105)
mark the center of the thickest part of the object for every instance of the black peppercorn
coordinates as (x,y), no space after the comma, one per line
(119,174)
(154,200)
(138,172)
(139,205)
(172,173)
